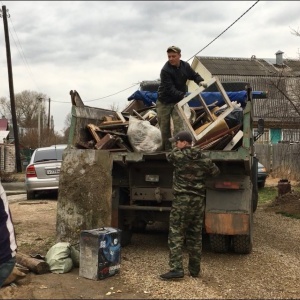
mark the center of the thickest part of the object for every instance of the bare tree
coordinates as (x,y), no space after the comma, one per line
(27,112)
(27,105)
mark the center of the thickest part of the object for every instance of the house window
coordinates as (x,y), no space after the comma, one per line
(291,135)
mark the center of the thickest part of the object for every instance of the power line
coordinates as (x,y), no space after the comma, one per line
(193,55)
(138,82)
(114,93)
(22,53)
(225,30)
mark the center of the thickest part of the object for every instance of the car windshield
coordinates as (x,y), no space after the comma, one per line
(51,154)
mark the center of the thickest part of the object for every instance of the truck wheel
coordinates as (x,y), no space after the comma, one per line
(126,236)
(254,199)
(139,226)
(219,243)
(242,244)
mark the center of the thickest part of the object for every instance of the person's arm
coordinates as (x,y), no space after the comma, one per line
(213,170)
(192,75)
(175,155)
(169,86)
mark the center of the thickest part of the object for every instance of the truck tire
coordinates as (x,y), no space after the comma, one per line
(254,199)
(119,196)
(219,243)
(242,244)
(126,236)
(254,184)
(139,226)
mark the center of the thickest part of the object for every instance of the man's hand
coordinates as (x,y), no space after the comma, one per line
(204,84)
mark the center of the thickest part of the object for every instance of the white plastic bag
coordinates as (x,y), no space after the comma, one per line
(143,136)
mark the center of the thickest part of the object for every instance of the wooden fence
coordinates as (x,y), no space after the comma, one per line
(281,160)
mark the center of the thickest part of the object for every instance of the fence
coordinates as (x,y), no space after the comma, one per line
(281,160)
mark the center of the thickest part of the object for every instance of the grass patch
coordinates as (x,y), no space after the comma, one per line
(294,216)
(267,194)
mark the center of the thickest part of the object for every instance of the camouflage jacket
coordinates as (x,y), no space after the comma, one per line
(191,168)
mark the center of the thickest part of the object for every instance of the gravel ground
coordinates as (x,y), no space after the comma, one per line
(271,271)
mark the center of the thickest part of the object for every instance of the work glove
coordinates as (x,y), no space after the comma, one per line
(204,84)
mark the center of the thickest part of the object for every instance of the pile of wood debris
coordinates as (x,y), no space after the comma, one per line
(207,123)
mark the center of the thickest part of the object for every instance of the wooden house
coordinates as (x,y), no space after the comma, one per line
(279,77)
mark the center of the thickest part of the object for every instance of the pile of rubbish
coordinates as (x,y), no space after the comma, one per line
(214,119)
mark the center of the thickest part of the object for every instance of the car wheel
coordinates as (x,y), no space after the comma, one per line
(261,184)
(30,195)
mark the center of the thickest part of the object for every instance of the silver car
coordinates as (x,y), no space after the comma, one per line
(42,172)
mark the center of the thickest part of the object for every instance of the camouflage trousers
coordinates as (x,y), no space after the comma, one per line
(166,112)
(186,219)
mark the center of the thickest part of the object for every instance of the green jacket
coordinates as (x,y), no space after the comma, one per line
(191,168)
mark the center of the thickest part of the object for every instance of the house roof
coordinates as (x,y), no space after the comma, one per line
(249,66)
(263,75)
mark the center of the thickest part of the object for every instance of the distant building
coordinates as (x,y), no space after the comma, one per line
(279,77)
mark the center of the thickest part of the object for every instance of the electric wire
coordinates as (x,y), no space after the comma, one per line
(198,51)
(22,53)
(225,30)
(107,96)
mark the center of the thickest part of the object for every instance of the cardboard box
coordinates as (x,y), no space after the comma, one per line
(100,253)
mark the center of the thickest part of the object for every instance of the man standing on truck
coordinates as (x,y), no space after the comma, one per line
(191,168)
(171,90)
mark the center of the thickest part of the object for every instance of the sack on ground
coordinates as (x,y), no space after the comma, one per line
(59,258)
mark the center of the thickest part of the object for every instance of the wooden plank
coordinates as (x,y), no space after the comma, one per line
(111,122)
(106,142)
(120,116)
(120,125)
(229,131)
(122,145)
(35,265)
(235,140)
(138,115)
(210,116)
(92,128)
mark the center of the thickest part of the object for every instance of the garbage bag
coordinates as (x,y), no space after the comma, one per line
(234,118)
(58,258)
(143,136)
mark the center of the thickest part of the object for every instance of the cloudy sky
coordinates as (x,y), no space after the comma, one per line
(101,48)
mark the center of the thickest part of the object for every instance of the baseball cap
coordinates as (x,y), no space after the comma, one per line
(174,49)
(182,136)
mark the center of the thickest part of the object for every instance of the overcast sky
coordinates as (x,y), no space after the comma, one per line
(100,48)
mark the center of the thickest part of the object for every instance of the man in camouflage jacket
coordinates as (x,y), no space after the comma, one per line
(191,168)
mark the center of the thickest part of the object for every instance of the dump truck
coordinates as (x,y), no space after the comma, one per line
(141,182)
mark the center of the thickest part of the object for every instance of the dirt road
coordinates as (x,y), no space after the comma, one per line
(272,270)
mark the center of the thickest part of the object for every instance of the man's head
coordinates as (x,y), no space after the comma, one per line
(182,139)
(174,55)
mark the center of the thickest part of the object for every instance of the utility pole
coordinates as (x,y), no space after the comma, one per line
(48,125)
(39,120)
(11,92)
